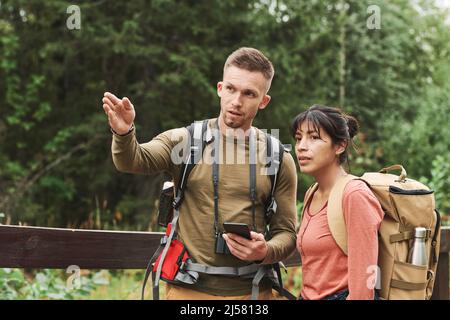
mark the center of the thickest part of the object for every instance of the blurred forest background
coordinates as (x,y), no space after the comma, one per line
(167,56)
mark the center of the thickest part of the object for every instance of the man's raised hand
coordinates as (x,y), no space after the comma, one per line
(120,112)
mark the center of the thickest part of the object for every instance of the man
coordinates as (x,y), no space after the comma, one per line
(243,92)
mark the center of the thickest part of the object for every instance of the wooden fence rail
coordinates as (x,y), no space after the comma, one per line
(36,247)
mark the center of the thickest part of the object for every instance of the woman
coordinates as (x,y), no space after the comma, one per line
(322,136)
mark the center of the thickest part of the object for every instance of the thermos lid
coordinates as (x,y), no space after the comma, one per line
(420,232)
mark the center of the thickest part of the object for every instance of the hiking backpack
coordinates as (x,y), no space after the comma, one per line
(407,204)
(171,261)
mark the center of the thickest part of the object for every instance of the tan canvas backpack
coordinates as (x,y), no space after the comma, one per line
(407,204)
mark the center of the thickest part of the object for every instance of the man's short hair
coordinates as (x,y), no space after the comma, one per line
(251,59)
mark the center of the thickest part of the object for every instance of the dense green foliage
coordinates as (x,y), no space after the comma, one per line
(167,55)
(48,284)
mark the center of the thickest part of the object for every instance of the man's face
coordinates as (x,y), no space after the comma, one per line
(242,93)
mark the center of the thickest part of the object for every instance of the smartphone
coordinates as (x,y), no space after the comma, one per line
(240,229)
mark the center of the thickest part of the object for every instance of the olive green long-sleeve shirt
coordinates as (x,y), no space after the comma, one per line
(196,221)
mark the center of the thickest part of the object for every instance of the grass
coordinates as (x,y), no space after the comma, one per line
(56,284)
(127,285)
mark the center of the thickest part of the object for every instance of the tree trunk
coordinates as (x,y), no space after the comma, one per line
(342,52)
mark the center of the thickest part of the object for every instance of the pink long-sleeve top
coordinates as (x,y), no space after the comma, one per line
(325,267)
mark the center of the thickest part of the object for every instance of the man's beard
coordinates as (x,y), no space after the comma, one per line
(232,123)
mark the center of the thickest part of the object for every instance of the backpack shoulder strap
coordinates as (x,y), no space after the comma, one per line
(335,213)
(274,154)
(274,159)
(196,143)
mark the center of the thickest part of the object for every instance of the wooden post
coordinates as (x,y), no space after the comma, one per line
(441,284)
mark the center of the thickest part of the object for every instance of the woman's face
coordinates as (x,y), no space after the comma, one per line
(314,149)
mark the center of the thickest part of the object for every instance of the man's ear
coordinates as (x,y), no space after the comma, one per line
(265,101)
(219,88)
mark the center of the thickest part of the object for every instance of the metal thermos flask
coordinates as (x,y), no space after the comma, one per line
(418,254)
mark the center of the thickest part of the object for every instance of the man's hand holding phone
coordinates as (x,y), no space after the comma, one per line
(253,249)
